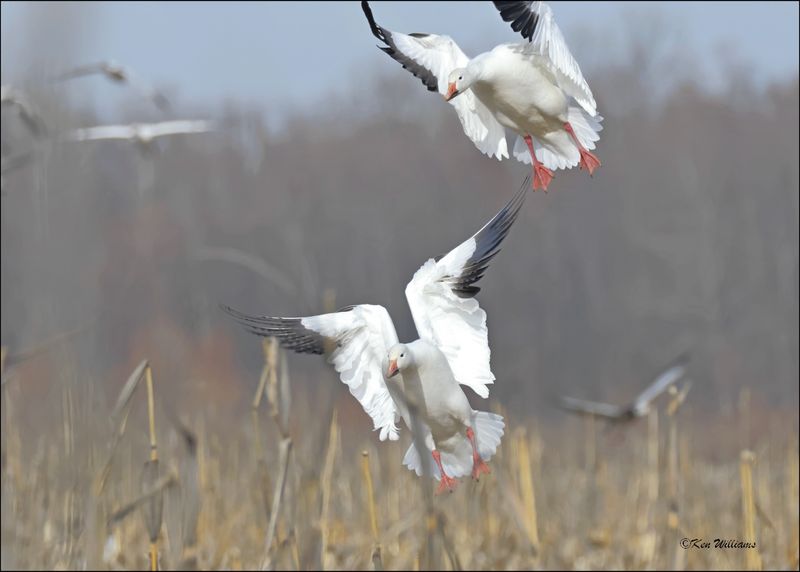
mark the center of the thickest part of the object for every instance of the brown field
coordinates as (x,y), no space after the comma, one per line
(289,487)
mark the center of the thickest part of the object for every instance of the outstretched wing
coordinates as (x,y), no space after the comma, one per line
(431,58)
(180,127)
(591,408)
(28,112)
(80,71)
(441,299)
(668,377)
(535,21)
(103,132)
(357,340)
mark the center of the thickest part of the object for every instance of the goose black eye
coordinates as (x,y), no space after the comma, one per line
(460,77)
(402,355)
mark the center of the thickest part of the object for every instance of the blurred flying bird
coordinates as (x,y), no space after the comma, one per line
(11,163)
(28,112)
(143,134)
(640,406)
(418,379)
(534,88)
(117,73)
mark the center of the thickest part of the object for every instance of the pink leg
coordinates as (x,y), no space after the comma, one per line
(479,467)
(541,174)
(589,160)
(446,483)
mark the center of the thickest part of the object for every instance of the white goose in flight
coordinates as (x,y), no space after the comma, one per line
(535,88)
(393,380)
(117,73)
(142,134)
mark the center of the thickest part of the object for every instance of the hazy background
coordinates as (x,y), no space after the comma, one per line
(341,175)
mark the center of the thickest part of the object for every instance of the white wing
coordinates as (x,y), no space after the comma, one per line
(103,132)
(178,127)
(357,340)
(441,299)
(535,21)
(431,58)
(661,384)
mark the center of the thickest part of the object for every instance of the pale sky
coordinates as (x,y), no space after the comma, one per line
(289,55)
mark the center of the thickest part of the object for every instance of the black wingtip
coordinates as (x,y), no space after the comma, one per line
(230,311)
(290,332)
(377,31)
(520,15)
(488,240)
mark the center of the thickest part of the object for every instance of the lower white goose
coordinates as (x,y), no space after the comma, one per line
(393,380)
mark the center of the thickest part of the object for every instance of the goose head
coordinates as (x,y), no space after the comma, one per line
(459,80)
(399,358)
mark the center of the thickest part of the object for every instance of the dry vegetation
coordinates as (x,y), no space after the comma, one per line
(303,493)
(687,238)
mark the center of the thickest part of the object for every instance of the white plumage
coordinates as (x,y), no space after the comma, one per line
(417,381)
(534,88)
(142,134)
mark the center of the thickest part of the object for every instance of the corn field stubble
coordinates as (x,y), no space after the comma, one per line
(293,489)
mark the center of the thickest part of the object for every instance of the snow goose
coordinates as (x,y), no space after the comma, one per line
(421,379)
(119,74)
(534,88)
(640,406)
(142,134)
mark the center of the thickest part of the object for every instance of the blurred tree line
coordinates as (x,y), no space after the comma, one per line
(685,239)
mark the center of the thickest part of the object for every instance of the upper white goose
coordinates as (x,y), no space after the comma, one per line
(534,88)
(420,378)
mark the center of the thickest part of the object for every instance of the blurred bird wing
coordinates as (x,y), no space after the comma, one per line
(592,407)
(6,93)
(159,99)
(147,90)
(536,23)
(179,127)
(27,111)
(80,71)
(357,341)
(104,132)
(431,58)
(660,385)
(441,299)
